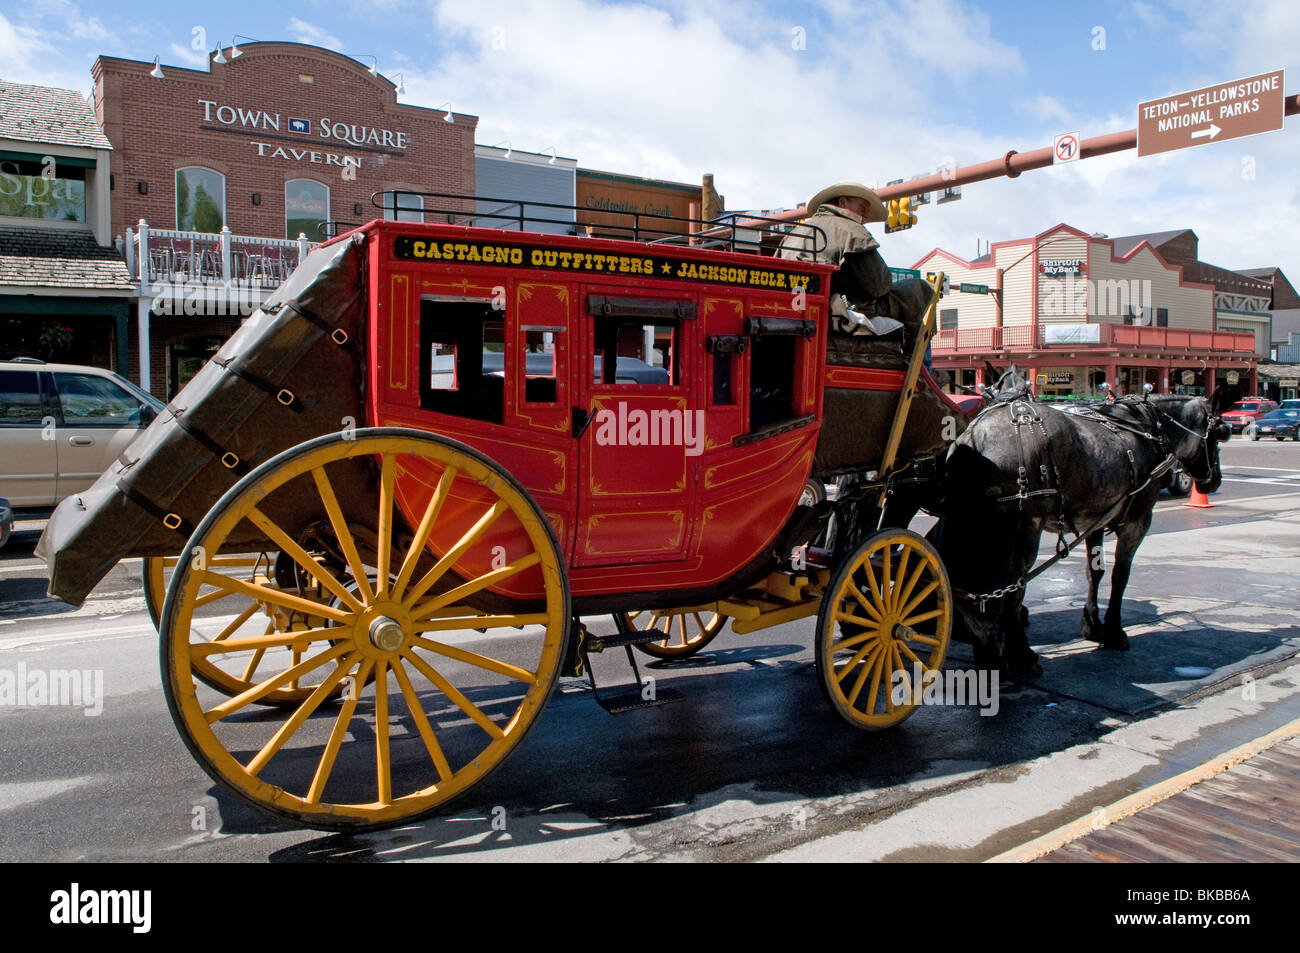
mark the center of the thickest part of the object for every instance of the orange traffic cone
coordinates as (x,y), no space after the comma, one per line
(1198,499)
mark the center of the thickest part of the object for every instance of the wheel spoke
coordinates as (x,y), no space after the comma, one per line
(681,626)
(857,620)
(341,723)
(457,697)
(900,573)
(304,559)
(341,532)
(421,720)
(480,661)
(474,585)
(271,684)
(263,642)
(906,592)
(917,599)
(235,625)
(857,657)
(886,586)
(387,475)
(857,594)
(304,711)
(875,683)
(465,542)
(923,617)
(274,596)
(907,681)
(424,531)
(481,622)
(865,668)
(700,622)
(871,580)
(907,650)
(853,640)
(383,764)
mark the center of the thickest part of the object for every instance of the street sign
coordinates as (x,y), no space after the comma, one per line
(973,289)
(902,274)
(1066,148)
(1243,107)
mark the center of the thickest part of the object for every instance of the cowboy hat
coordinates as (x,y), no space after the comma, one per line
(854,190)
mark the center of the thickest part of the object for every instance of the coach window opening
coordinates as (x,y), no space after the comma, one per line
(462,358)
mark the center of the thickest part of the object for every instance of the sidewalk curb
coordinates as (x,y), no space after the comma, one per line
(1143,799)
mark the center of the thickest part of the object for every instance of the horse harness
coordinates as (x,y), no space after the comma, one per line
(1031,431)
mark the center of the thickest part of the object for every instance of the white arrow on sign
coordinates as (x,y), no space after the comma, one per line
(1204,133)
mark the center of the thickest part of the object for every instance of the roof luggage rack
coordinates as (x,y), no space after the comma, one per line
(757,234)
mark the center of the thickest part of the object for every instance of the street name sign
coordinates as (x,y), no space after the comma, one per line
(973,289)
(1242,107)
(902,274)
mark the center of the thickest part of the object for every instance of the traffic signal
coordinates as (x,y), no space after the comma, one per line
(930,277)
(900,215)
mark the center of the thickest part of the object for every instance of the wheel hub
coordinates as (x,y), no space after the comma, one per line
(386,634)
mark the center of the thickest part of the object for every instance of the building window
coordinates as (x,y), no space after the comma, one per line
(1162,317)
(948,319)
(409,208)
(200,200)
(306,209)
(32,189)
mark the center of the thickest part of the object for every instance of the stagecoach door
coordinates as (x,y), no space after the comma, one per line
(639,427)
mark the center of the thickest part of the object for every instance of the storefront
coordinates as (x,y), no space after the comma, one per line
(612,204)
(235,171)
(1076,310)
(64,290)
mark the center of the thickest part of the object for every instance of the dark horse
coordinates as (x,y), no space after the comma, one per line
(1023,467)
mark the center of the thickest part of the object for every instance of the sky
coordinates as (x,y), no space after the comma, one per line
(777,100)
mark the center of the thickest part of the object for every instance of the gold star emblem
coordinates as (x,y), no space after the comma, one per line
(667,268)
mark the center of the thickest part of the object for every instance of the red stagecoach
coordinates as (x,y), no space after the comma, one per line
(399,486)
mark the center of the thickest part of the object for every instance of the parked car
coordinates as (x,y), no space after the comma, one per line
(61,426)
(6,521)
(1245,410)
(1280,423)
(1292,403)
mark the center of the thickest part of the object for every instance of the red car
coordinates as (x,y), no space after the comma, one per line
(1244,411)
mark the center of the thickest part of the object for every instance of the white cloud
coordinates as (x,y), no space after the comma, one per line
(188,56)
(305,32)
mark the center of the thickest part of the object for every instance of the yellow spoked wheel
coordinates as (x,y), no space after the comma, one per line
(434,656)
(685,631)
(885,617)
(231,612)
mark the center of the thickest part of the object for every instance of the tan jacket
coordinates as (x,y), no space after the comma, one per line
(863,274)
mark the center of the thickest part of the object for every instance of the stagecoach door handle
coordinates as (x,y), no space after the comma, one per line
(581,421)
(82,441)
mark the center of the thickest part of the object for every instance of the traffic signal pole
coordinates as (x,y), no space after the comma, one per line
(1010,165)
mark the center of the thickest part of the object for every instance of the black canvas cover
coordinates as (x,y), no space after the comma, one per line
(293,371)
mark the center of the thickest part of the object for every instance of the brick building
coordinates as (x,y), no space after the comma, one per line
(217,174)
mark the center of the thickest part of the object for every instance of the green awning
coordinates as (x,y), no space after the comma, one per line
(40,157)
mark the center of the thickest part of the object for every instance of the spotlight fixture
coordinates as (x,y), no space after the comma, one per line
(448,117)
(156,72)
(506,143)
(217,57)
(401,84)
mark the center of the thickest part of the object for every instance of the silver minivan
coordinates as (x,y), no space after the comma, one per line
(61,425)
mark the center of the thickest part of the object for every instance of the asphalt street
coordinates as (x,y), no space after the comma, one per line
(752,763)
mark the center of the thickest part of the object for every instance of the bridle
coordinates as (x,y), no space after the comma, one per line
(1212,423)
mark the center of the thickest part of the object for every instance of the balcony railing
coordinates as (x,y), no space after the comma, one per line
(1025,337)
(155,255)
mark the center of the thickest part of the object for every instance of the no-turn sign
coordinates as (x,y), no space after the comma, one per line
(1066,148)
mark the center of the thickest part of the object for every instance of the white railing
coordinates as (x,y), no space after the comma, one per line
(159,255)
